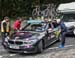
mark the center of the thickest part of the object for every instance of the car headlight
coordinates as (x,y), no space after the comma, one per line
(30,41)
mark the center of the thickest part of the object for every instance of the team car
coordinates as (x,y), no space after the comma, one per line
(34,37)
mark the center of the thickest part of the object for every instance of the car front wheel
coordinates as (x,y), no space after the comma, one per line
(40,47)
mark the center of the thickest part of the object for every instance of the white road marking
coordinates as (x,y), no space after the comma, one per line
(64,47)
(1,56)
(12,55)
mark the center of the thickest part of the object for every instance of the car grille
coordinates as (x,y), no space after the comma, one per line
(16,42)
(11,42)
(25,43)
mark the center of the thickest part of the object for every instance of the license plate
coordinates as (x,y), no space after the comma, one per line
(14,47)
(25,51)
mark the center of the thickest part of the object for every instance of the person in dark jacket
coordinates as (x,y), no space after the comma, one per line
(63,32)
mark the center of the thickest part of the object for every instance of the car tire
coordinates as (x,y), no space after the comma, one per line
(40,47)
(11,52)
(4,47)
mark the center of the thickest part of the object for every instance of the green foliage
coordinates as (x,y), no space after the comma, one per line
(15,8)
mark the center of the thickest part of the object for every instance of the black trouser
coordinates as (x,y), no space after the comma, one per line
(62,40)
(3,35)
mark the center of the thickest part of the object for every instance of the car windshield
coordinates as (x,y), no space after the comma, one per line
(35,27)
(68,17)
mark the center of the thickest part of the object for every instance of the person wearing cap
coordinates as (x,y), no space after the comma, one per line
(17,24)
(5,28)
(63,32)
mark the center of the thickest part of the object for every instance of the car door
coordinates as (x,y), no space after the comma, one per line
(49,37)
(57,33)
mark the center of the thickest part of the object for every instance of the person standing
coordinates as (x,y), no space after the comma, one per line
(5,28)
(17,24)
(63,32)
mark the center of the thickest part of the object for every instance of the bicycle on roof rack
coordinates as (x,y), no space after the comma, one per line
(48,12)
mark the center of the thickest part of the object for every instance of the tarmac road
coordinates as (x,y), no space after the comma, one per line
(51,52)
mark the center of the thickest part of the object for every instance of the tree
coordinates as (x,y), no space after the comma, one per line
(14,8)
(0,7)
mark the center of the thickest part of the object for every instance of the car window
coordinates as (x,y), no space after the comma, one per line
(36,27)
(68,17)
(32,27)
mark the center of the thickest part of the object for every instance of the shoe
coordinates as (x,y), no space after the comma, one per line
(61,46)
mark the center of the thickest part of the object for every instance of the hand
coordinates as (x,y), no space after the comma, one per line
(20,28)
(49,30)
(60,30)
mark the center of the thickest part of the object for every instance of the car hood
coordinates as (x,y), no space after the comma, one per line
(28,35)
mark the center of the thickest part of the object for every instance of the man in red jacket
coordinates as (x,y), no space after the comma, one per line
(17,23)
